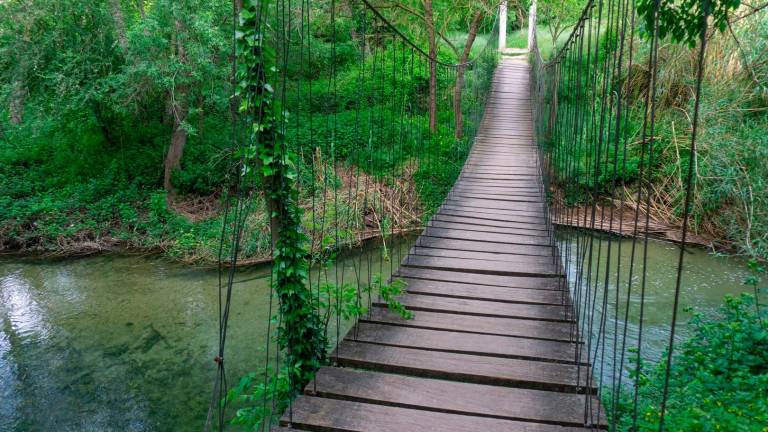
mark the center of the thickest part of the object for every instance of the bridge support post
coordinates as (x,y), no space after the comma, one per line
(532,26)
(503,26)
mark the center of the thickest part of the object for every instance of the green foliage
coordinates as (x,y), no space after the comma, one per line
(262,397)
(300,334)
(731,196)
(390,292)
(559,15)
(682,20)
(719,377)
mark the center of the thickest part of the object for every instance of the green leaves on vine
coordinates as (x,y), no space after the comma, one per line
(300,334)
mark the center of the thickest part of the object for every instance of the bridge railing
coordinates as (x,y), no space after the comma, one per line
(346,135)
(595,103)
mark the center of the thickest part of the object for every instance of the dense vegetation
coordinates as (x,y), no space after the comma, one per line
(730,201)
(116,129)
(116,120)
(718,379)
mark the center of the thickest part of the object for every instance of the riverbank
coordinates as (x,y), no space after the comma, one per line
(621,220)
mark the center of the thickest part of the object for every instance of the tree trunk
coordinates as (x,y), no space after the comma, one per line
(474,27)
(429,18)
(521,19)
(179,111)
(18,98)
(19,91)
(178,140)
(140,6)
(117,13)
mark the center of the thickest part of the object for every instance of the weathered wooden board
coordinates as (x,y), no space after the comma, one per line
(481,279)
(487,256)
(503,239)
(483,292)
(530,209)
(327,414)
(533,217)
(479,266)
(438,223)
(524,328)
(440,395)
(486,308)
(463,367)
(464,343)
(471,220)
(453,210)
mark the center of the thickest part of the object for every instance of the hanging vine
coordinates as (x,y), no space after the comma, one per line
(300,333)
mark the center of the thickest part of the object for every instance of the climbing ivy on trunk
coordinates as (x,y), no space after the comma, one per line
(300,332)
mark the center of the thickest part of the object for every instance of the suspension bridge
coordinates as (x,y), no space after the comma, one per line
(500,338)
(491,344)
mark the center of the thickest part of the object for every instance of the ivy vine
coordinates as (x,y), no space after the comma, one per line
(300,332)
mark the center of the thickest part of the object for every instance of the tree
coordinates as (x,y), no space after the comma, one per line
(177,55)
(559,15)
(424,11)
(482,8)
(449,15)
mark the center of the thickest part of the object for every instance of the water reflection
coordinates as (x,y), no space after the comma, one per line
(126,343)
(706,280)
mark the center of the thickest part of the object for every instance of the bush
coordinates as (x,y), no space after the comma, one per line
(718,379)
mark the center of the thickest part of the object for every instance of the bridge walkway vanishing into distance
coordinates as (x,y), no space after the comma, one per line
(492,344)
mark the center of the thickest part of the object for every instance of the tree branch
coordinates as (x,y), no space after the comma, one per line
(422,18)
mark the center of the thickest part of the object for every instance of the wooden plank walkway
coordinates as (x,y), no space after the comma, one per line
(490,345)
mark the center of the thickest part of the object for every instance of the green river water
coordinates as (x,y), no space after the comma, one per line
(126,343)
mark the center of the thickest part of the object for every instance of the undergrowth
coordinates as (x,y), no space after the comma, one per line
(730,203)
(718,379)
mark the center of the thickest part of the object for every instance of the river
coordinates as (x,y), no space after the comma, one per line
(126,343)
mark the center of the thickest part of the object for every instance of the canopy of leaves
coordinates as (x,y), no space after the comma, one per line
(682,19)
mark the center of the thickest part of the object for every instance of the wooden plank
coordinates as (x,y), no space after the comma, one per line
(521,208)
(458,205)
(460,195)
(449,210)
(334,415)
(523,328)
(503,239)
(441,396)
(480,266)
(463,191)
(468,220)
(487,256)
(462,367)
(492,188)
(416,302)
(483,292)
(513,197)
(437,223)
(478,279)
(463,343)
(426,240)
(501,169)
(510,186)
